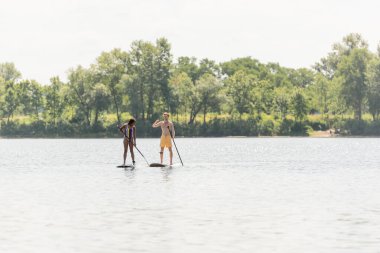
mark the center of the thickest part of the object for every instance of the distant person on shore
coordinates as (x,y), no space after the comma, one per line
(168,132)
(129,132)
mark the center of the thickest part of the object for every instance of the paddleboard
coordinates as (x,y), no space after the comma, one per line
(126,166)
(160,165)
(157,165)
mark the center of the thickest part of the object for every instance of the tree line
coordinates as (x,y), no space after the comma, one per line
(242,96)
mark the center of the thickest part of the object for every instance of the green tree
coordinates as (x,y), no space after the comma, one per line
(139,82)
(246,64)
(353,69)
(282,101)
(189,66)
(204,95)
(101,97)
(9,72)
(328,65)
(148,76)
(30,97)
(207,66)
(10,100)
(262,96)
(301,77)
(36,95)
(374,88)
(209,87)
(195,101)
(109,70)
(299,104)
(81,85)
(163,66)
(54,103)
(336,100)
(182,88)
(2,92)
(239,87)
(277,75)
(320,93)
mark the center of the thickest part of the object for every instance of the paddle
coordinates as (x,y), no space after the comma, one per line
(135,147)
(171,135)
(141,154)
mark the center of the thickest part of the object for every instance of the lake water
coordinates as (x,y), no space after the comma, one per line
(233,195)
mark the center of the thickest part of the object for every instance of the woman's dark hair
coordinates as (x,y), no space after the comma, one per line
(131,121)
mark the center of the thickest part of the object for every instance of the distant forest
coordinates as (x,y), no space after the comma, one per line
(240,97)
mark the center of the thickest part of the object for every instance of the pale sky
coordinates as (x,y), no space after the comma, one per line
(45,38)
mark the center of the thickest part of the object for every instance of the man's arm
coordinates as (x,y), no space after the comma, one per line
(157,123)
(173,131)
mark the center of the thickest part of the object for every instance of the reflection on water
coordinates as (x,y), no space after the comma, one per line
(166,173)
(232,195)
(129,172)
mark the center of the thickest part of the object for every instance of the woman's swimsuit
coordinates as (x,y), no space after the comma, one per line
(129,134)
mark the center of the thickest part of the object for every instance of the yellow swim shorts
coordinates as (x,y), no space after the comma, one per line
(166,141)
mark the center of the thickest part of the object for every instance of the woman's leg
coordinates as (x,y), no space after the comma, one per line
(132,152)
(125,150)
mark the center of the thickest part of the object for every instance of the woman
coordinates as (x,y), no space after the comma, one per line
(129,132)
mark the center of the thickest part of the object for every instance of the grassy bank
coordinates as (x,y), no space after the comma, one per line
(214,126)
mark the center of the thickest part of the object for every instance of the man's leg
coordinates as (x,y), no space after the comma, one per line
(171,155)
(162,154)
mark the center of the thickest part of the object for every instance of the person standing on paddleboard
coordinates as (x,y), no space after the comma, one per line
(167,128)
(129,132)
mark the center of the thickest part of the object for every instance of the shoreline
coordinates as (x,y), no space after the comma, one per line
(204,137)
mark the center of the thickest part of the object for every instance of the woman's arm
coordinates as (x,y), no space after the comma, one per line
(134,136)
(121,129)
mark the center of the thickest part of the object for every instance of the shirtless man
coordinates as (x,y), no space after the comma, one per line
(166,141)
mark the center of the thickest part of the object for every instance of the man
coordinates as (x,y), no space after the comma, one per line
(167,127)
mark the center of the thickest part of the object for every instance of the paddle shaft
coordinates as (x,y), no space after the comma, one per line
(141,154)
(171,135)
